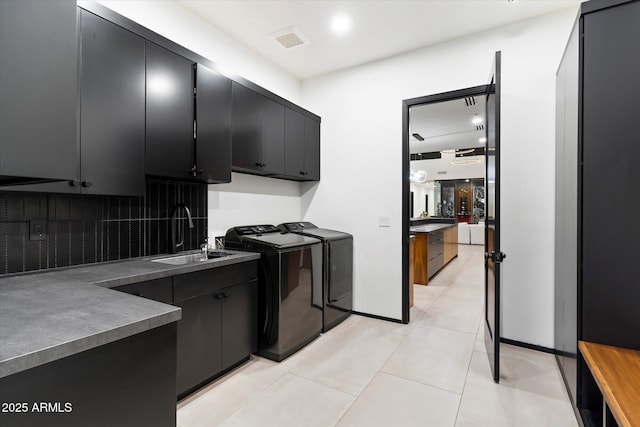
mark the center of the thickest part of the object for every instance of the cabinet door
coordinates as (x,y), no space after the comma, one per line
(213,125)
(246,129)
(311,149)
(239,322)
(112,109)
(158,290)
(39,86)
(272,117)
(294,124)
(170,144)
(199,335)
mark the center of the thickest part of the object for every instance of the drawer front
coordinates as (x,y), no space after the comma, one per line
(157,290)
(435,264)
(204,282)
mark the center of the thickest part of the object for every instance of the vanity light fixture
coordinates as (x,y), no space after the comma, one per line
(464,161)
(476,119)
(459,151)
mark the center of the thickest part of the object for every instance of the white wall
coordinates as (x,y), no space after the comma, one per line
(248,199)
(361,113)
(419,191)
(178,24)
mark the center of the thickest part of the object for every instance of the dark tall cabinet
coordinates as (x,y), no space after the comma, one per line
(213,126)
(39,86)
(170,118)
(258,133)
(597,249)
(112,109)
(302,146)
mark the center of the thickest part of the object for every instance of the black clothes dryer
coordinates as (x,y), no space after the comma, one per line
(289,287)
(337,270)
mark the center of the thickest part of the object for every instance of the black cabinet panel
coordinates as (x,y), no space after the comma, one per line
(39,86)
(272,130)
(294,143)
(219,325)
(312,149)
(112,92)
(239,323)
(158,290)
(610,149)
(213,118)
(246,128)
(199,339)
(169,113)
(126,383)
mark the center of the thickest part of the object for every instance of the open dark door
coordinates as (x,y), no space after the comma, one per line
(492,256)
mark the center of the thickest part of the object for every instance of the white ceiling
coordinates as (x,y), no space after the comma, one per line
(446,125)
(380,28)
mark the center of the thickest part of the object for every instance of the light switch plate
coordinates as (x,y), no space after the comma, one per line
(384,221)
(37,230)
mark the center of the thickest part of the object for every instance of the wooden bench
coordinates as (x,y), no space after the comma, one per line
(617,373)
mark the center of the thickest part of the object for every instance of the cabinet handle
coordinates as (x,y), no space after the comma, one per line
(74,183)
(87,183)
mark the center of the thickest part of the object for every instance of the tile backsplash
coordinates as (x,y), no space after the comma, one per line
(88,229)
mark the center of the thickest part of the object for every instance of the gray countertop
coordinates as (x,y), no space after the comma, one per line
(45,316)
(429,228)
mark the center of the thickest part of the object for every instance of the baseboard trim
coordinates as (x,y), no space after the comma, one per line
(527,345)
(375,316)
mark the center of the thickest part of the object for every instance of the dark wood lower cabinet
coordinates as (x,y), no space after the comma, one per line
(199,340)
(219,325)
(130,382)
(218,329)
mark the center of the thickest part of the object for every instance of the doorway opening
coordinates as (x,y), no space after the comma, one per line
(444,137)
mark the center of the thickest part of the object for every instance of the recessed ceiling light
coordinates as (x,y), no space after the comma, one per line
(476,120)
(340,24)
(482,140)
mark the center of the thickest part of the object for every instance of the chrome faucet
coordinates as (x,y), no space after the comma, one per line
(174,227)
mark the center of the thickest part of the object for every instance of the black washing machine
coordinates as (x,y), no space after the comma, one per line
(337,270)
(289,287)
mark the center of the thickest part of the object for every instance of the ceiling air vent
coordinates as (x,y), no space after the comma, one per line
(290,37)
(479,127)
(470,101)
(442,172)
(418,136)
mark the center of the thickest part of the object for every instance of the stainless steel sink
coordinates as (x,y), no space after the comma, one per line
(189,258)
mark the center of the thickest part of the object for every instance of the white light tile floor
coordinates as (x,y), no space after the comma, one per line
(369,372)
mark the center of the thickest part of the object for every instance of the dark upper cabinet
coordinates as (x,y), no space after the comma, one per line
(311,149)
(257,133)
(246,129)
(302,146)
(272,130)
(169,114)
(213,126)
(112,109)
(294,143)
(39,86)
